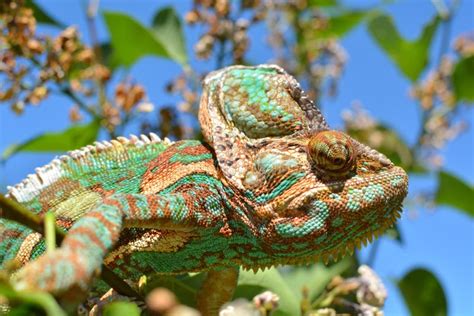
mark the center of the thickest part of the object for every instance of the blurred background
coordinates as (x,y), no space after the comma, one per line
(397,75)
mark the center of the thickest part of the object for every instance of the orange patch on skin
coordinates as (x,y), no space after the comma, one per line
(170,174)
(86,231)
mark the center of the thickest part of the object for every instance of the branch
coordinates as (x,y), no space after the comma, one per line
(66,90)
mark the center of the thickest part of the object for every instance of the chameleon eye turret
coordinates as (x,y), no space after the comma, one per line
(332,153)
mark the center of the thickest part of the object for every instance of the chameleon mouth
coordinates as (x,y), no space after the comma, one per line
(331,255)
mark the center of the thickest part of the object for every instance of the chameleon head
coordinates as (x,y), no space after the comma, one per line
(347,194)
(314,191)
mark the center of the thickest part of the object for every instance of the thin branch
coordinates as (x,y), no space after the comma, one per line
(67,91)
(447,15)
(373,252)
(220,54)
(14,211)
(91,8)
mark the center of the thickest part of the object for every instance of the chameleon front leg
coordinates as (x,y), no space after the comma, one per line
(69,269)
(217,289)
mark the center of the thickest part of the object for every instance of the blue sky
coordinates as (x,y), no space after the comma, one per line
(441,240)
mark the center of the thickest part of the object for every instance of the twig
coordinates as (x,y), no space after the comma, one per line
(220,54)
(66,90)
(447,16)
(91,8)
(373,252)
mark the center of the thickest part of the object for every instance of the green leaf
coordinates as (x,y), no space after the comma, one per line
(250,284)
(314,278)
(29,303)
(411,57)
(121,309)
(131,40)
(42,16)
(454,192)
(72,138)
(423,293)
(463,79)
(322,3)
(167,27)
(341,24)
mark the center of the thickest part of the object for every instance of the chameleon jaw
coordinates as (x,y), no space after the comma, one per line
(330,255)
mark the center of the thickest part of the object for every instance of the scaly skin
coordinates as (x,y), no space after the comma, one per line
(271,185)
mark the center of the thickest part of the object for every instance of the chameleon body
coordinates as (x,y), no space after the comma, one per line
(270,185)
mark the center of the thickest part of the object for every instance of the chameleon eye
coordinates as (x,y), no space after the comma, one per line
(332,153)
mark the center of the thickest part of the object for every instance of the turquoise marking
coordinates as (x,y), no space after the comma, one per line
(187,143)
(255,106)
(178,206)
(372,192)
(270,162)
(396,181)
(187,159)
(102,232)
(280,188)
(318,215)
(353,199)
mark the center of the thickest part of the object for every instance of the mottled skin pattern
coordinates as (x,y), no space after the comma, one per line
(271,185)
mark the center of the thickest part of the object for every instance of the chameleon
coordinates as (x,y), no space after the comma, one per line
(270,184)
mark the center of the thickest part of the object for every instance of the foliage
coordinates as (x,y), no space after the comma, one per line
(423,293)
(305,38)
(455,192)
(411,57)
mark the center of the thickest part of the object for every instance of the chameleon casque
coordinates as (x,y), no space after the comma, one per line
(271,184)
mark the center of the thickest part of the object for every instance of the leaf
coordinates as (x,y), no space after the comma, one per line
(411,57)
(167,27)
(463,79)
(423,293)
(121,309)
(341,24)
(455,192)
(131,40)
(250,284)
(322,3)
(72,138)
(314,278)
(28,303)
(42,16)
